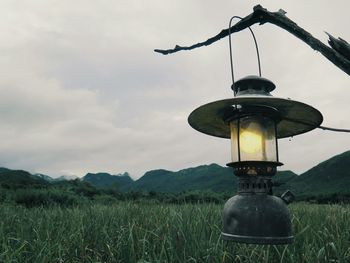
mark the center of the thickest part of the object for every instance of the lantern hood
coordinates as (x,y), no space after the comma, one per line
(294,117)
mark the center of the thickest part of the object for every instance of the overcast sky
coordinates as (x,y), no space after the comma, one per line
(81,89)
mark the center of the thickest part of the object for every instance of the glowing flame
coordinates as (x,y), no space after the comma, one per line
(250,142)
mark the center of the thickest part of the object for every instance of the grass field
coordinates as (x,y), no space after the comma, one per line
(146,232)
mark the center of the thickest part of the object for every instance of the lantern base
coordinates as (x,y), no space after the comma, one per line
(258,240)
(257,219)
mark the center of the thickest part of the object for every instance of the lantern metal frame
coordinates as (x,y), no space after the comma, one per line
(237,112)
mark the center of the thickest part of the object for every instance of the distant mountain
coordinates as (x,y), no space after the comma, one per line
(211,177)
(66,178)
(45,177)
(206,177)
(120,182)
(61,178)
(19,178)
(329,177)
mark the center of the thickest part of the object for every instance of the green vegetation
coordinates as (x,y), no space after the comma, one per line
(326,179)
(105,180)
(165,217)
(12,179)
(149,232)
(327,182)
(205,177)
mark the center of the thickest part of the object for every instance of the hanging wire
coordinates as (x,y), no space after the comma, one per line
(230,48)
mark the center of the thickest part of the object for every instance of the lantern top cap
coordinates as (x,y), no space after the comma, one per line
(253,85)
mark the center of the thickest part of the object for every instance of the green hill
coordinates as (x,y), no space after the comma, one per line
(105,180)
(206,177)
(19,179)
(329,177)
(211,177)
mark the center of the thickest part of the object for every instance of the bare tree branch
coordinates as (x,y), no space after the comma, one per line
(262,16)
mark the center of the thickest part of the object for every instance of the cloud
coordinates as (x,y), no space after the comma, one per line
(82,90)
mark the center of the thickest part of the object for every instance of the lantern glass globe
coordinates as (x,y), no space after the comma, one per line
(253,138)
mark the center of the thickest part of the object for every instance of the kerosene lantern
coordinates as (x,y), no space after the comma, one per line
(254,120)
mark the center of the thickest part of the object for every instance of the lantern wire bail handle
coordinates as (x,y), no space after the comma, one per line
(259,67)
(230,48)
